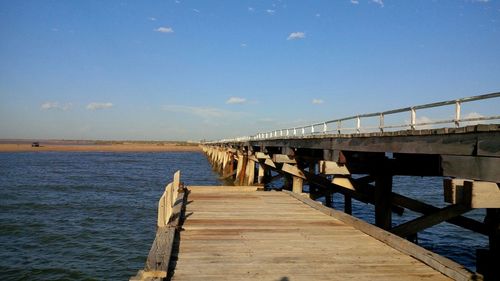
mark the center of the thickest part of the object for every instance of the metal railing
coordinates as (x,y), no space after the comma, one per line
(337,126)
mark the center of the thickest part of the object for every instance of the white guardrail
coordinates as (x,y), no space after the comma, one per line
(336,126)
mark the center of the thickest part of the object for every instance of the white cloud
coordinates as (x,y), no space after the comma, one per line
(203,112)
(243,45)
(318,15)
(164,29)
(481,1)
(152,19)
(270,12)
(177,1)
(472,115)
(196,10)
(296,35)
(317,101)
(266,120)
(55,105)
(99,105)
(355,2)
(379,2)
(251,9)
(236,100)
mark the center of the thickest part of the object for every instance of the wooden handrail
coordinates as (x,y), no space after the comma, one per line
(167,201)
(169,213)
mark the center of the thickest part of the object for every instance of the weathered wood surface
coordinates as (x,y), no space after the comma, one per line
(170,208)
(237,233)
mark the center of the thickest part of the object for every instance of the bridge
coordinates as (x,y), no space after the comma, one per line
(240,233)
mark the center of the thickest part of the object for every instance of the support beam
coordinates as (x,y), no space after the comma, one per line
(261,155)
(260,174)
(250,172)
(487,260)
(476,194)
(426,209)
(332,168)
(426,221)
(297,184)
(293,170)
(283,158)
(348,204)
(471,167)
(383,190)
(270,163)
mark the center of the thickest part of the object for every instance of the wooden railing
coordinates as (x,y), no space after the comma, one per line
(170,207)
(168,200)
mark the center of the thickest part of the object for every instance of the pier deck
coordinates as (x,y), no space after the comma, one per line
(237,233)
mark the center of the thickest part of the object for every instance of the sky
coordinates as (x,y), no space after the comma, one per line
(193,70)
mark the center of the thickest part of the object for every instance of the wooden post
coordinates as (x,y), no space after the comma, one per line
(348,204)
(231,164)
(329,199)
(250,172)
(227,163)
(260,174)
(487,260)
(383,190)
(297,184)
(287,182)
(241,178)
(239,168)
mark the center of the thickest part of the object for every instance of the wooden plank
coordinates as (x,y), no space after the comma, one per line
(470,167)
(229,175)
(157,263)
(489,144)
(262,155)
(250,172)
(476,194)
(382,200)
(332,168)
(159,255)
(270,235)
(177,180)
(253,158)
(293,170)
(423,208)
(164,206)
(283,158)
(344,182)
(270,163)
(260,174)
(482,194)
(422,142)
(441,264)
(450,187)
(297,185)
(414,226)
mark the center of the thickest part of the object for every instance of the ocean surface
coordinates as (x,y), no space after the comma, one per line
(92,216)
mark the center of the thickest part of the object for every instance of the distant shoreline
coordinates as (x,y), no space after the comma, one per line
(101,147)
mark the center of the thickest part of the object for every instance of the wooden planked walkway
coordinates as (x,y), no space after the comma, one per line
(237,233)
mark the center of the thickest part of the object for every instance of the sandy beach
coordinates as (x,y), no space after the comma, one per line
(122,147)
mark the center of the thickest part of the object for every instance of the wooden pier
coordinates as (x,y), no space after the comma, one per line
(241,233)
(237,233)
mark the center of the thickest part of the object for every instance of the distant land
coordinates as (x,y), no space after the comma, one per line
(25,145)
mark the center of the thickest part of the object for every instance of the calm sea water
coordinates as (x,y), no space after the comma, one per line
(84,216)
(92,216)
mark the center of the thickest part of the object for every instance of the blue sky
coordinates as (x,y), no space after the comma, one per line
(190,70)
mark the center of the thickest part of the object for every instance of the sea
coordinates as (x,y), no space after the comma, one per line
(92,215)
